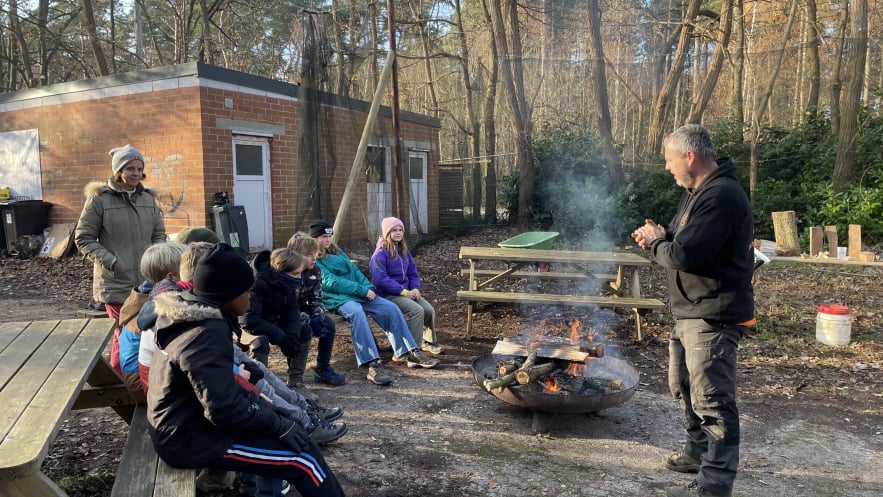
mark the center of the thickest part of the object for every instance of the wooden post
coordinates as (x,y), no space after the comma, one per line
(785,231)
(358,162)
(855,241)
(815,241)
(831,232)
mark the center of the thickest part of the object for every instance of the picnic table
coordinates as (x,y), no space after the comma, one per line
(48,368)
(567,264)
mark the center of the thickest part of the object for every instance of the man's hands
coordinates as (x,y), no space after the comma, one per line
(645,235)
(296,437)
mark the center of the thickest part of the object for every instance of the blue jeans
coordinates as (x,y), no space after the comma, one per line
(388,316)
(702,374)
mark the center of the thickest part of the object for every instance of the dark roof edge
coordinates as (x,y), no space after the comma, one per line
(214,73)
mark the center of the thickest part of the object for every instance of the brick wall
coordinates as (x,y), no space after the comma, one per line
(189,156)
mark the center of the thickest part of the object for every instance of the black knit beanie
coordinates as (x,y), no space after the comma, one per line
(320,227)
(222,275)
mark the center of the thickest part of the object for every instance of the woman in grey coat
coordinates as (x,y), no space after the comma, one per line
(120,220)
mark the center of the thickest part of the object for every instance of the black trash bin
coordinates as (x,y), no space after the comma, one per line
(23,217)
(231,225)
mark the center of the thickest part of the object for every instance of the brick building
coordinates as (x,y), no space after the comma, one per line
(203,130)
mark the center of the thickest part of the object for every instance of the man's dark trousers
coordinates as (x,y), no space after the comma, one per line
(702,374)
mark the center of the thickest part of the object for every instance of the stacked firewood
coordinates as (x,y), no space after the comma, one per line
(556,364)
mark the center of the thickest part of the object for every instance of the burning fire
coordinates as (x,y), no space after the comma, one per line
(551,383)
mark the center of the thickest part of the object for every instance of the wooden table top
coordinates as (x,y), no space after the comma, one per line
(43,367)
(560,256)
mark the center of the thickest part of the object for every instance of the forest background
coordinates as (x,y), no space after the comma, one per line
(555,109)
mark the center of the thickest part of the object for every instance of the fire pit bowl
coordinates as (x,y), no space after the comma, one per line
(485,367)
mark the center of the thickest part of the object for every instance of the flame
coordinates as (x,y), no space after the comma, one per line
(576,369)
(574,331)
(551,383)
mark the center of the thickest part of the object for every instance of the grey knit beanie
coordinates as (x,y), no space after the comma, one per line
(123,155)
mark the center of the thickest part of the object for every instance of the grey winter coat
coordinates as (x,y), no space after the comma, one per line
(114,230)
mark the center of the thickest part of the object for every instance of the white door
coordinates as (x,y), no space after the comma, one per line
(417,180)
(379,187)
(251,189)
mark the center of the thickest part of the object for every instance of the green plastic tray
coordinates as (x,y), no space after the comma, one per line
(538,240)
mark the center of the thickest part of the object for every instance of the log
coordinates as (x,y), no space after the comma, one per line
(831,233)
(500,382)
(603,385)
(785,232)
(567,352)
(855,242)
(525,376)
(506,380)
(815,241)
(506,367)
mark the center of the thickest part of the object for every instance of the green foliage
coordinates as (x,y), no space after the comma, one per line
(573,193)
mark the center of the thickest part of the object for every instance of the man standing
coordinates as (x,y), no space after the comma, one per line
(705,251)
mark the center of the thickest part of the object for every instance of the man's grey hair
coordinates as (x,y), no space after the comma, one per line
(691,138)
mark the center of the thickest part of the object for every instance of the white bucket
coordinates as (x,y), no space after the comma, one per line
(833,324)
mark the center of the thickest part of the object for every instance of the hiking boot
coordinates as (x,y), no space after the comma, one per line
(328,414)
(693,489)
(323,432)
(432,348)
(304,391)
(682,463)
(417,359)
(329,376)
(377,374)
(215,480)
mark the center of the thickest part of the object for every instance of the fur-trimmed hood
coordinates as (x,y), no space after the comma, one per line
(96,188)
(177,312)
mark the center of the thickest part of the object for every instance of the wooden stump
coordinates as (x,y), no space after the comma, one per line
(785,231)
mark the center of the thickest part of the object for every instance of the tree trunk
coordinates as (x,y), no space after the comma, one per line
(660,111)
(703,94)
(737,102)
(24,69)
(760,108)
(97,51)
(599,77)
(508,42)
(489,126)
(836,82)
(844,163)
(814,70)
(473,126)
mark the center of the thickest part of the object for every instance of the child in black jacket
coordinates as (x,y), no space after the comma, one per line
(198,414)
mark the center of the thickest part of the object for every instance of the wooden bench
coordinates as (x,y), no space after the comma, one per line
(142,473)
(578,265)
(633,303)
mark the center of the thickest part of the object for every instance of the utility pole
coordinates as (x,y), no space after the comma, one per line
(400,210)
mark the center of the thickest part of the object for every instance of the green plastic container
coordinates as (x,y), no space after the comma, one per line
(538,240)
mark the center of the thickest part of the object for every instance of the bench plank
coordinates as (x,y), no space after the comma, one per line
(551,275)
(44,389)
(551,299)
(142,473)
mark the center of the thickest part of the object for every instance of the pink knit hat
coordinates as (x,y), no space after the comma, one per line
(389,223)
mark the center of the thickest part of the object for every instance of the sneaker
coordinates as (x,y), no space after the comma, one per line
(304,391)
(329,376)
(215,480)
(682,463)
(324,413)
(417,359)
(323,432)
(377,374)
(286,487)
(400,358)
(693,489)
(432,348)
